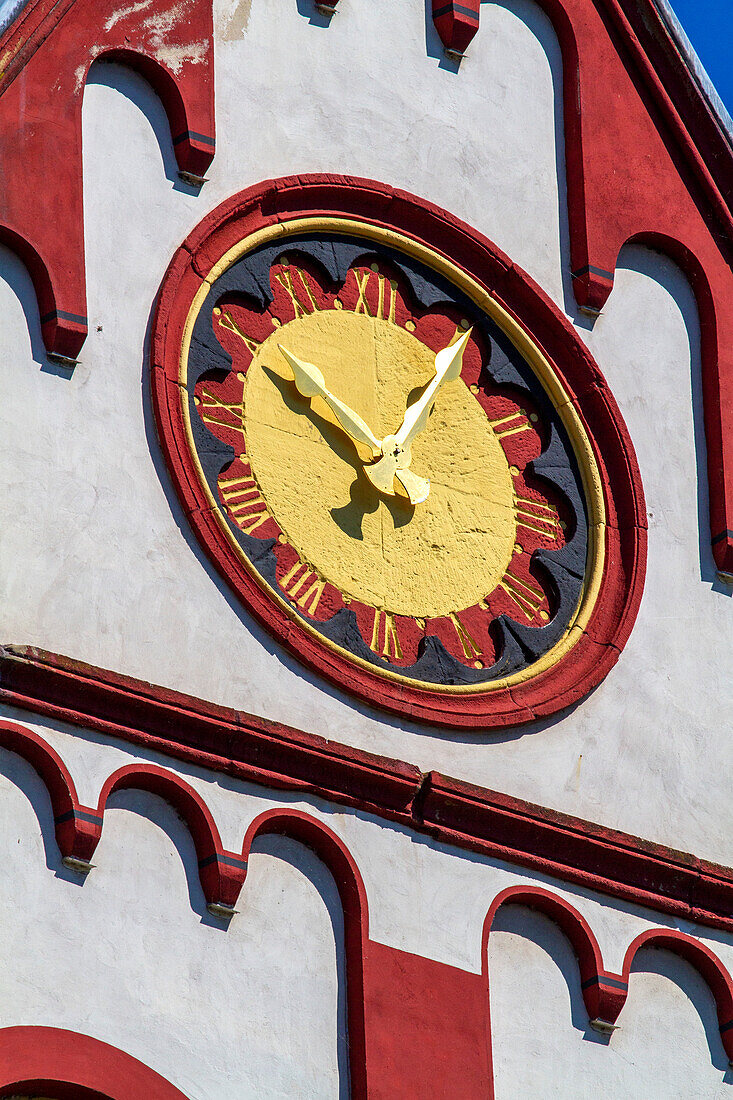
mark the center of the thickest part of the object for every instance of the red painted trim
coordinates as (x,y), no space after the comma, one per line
(605,992)
(415,1025)
(77,827)
(599,646)
(707,964)
(456,21)
(65,1065)
(460,814)
(644,157)
(222,873)
(602,994)
(53,44)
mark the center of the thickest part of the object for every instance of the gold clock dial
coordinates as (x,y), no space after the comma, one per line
(387,464)
(422,560)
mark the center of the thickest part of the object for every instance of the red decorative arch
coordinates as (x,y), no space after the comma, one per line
(707,964)
(68,1066)
(347,877)
(221,872)
(53,44)
(601,641)
(603,991)
(77,827)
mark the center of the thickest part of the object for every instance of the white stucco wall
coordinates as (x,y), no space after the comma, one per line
(97,559)
(130,955)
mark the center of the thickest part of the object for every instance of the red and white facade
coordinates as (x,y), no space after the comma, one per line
(222,873)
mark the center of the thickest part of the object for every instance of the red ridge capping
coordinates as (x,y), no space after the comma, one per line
(53,43)
(453,812)
(60,1063)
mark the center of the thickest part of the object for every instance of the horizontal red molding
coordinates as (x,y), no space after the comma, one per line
(457,813)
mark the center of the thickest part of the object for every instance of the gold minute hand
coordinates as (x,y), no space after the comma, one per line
(448,363)
(310,382)
(396,448)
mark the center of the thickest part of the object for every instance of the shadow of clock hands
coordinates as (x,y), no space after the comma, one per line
(364,499)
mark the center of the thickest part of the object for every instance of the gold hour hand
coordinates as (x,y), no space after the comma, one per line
(310,383)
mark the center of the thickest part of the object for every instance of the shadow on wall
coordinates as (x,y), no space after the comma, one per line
(110,74)
(664,271)
(305,861)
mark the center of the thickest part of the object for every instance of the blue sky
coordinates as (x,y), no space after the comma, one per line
(709,26)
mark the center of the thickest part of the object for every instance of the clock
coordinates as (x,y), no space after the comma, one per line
(387,465)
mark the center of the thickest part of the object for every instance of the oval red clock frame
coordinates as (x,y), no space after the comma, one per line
(599,643)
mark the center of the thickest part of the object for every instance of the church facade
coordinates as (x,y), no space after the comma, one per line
(367,552)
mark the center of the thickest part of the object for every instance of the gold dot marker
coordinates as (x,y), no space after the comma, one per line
(478,664)
(276,322)
(514,470)
(375,267)
(242,458)
(338,304)
(197,400)
(473,387)
(483,605)
(533,417)
(518,548)
(217,311)
(420,623)
(464,325)
(393,284)
(544,616)
(284,261)
(282,538)
(241,375)
(410,326)
(347,600)
(563,525)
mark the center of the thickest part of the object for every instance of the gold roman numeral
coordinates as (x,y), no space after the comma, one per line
(245,502)
(227,321)
(537,517)
(525,596)
(301,298)
(386,296)
(470,648)
(209,401)
(385,640)
(510,425)
(305,588)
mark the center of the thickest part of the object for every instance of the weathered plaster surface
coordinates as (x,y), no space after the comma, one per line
(131,956)
(97,559)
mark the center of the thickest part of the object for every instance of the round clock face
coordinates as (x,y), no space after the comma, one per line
(393,476)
